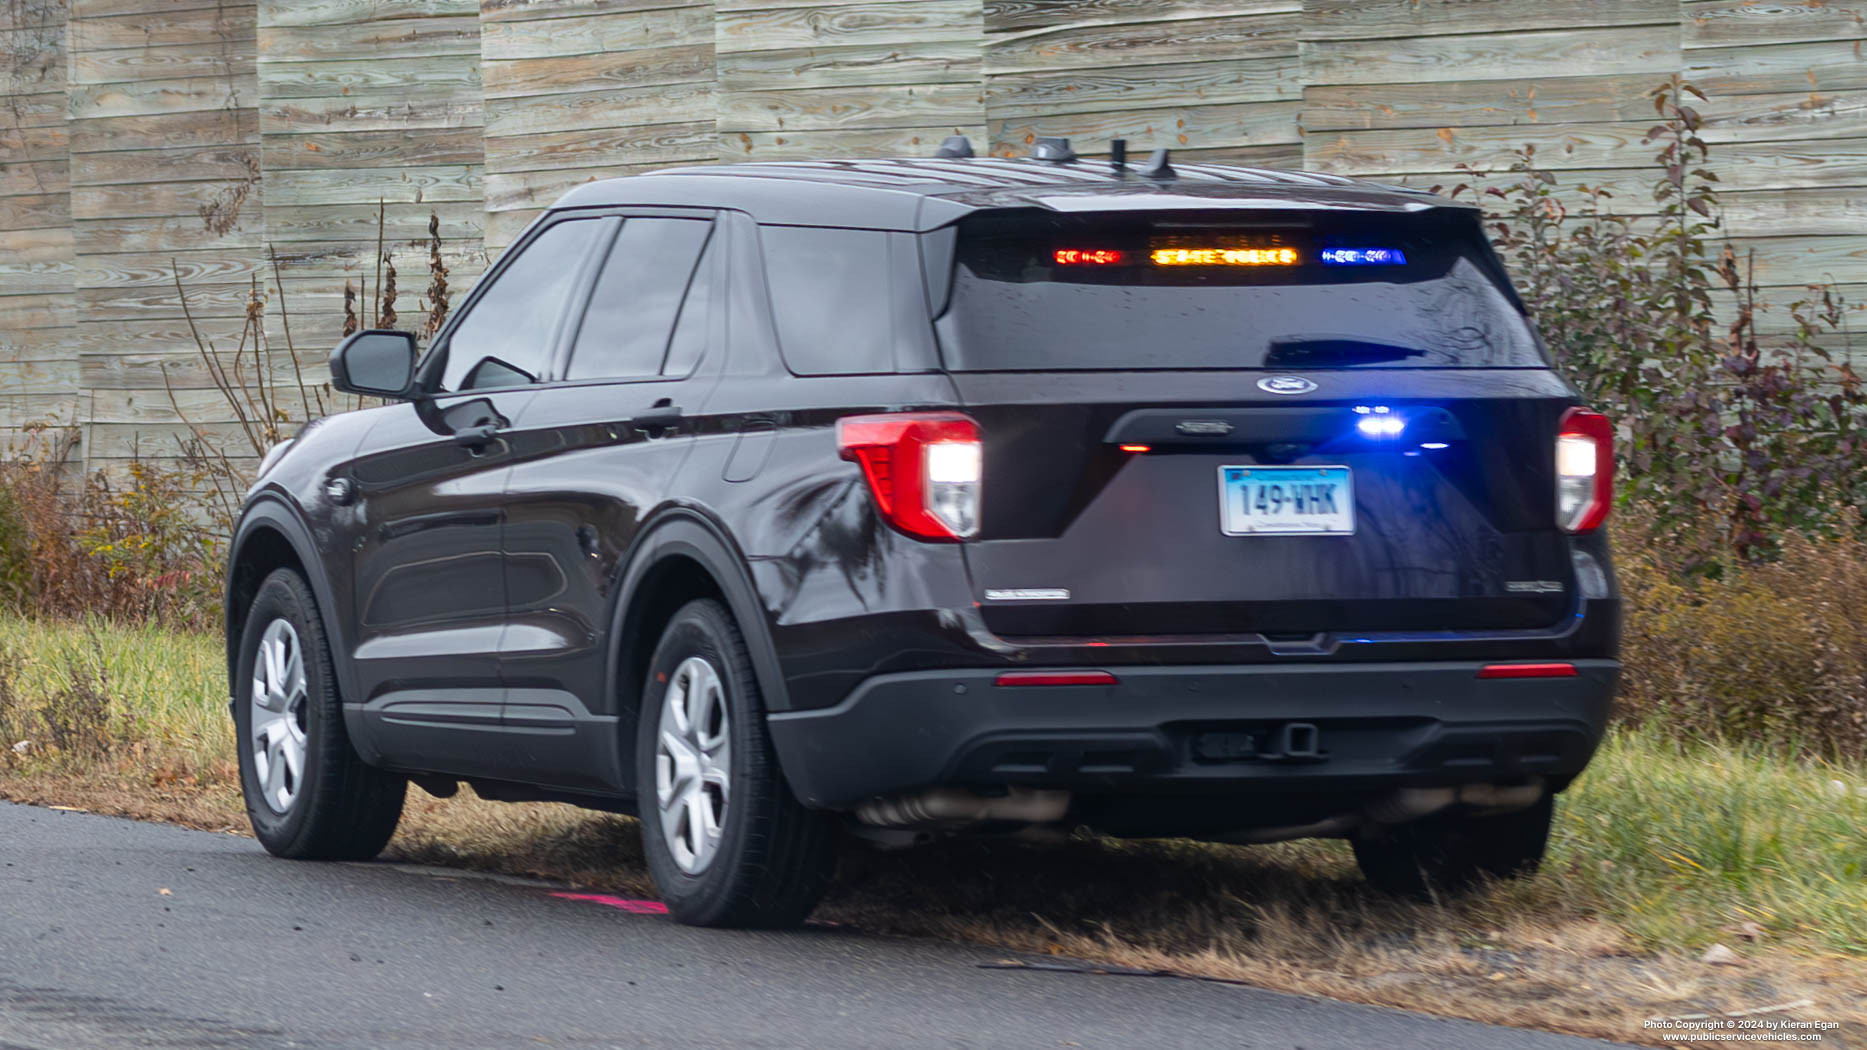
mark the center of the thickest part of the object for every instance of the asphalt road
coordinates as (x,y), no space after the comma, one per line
(246,951)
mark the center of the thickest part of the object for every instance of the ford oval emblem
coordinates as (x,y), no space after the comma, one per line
(1285,385)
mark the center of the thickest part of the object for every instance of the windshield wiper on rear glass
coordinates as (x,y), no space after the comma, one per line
(1325,353)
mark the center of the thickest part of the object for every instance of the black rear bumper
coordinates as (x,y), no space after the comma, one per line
(1309,728)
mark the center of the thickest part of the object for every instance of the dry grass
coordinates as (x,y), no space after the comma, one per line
(1660,851)
(1771,652)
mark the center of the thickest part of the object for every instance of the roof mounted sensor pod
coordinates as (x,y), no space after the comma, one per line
(1053,149)
(954,147)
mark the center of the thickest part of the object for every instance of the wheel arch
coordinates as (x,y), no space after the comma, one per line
(270,537)
(682,556)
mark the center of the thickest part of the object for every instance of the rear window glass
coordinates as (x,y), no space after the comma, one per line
(831,297)
(1282,290)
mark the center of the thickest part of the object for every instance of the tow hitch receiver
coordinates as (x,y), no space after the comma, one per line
(1290,742)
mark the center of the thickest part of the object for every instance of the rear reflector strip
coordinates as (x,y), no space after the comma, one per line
(1056,678)
(1527,671)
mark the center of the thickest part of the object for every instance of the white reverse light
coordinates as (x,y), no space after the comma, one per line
(954,462)
(954,471)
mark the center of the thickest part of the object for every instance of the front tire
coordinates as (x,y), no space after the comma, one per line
(727,842)
(308,795)
(1452,853)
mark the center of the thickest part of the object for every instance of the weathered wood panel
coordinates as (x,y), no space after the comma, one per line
(613,108)
(1477,103)
(1173,127)
(574,90)
(1494,56)
(1807,212)
(165,169)
(850,65)
(434,147)
(791,26)
(1094,90)
(514,198)
(367,109)
(38,300)
(868,106)
(138,131)
(381,40)
(1796,116)
(1078,45)
(577,150)
(1389,19)
(1713,23)
(887,142)
(133,24)
(847,79)
(1010,16)
(1829,65)
(1182,74)
(620,31)
(1400,150)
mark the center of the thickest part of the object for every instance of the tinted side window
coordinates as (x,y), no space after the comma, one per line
(631,313)
(690,332)
(506,339)
(831,297)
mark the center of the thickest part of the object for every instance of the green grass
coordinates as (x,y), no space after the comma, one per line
(1676,844)
(167,691)
(1679,842)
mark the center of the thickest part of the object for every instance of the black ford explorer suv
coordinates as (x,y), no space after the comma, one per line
(904,497)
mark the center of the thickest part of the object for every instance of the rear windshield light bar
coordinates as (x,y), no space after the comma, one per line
(1527,671)
(1056,678)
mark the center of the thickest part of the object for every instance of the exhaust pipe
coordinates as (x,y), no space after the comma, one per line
(947,806)
(1403,806)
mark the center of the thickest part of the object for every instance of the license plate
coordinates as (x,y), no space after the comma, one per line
(1261,501)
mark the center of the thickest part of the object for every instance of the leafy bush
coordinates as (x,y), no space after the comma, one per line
(1729,442)
(148,548)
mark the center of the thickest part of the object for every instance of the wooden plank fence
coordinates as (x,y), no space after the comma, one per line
(249,144)
(38,301)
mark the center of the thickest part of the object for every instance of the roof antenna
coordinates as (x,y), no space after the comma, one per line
(1157,166)
(1118,154)
(1055,150)
(954,147)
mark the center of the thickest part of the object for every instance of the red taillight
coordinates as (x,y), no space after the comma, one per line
(924,469)
(1056,678)
(1527,671)
(1584,470)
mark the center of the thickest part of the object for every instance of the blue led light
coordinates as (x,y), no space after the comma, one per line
(1364,257)
(1381,426)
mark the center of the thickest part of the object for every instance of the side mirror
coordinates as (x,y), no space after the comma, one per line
(379,363)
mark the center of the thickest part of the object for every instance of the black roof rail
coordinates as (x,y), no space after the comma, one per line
(1118,154)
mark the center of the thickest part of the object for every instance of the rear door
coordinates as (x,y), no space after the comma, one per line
(1291,425)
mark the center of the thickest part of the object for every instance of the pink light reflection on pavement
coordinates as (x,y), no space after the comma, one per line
(633,907)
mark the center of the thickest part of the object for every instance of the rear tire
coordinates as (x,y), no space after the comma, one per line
(727,842)
(308,795)
(1449,854)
